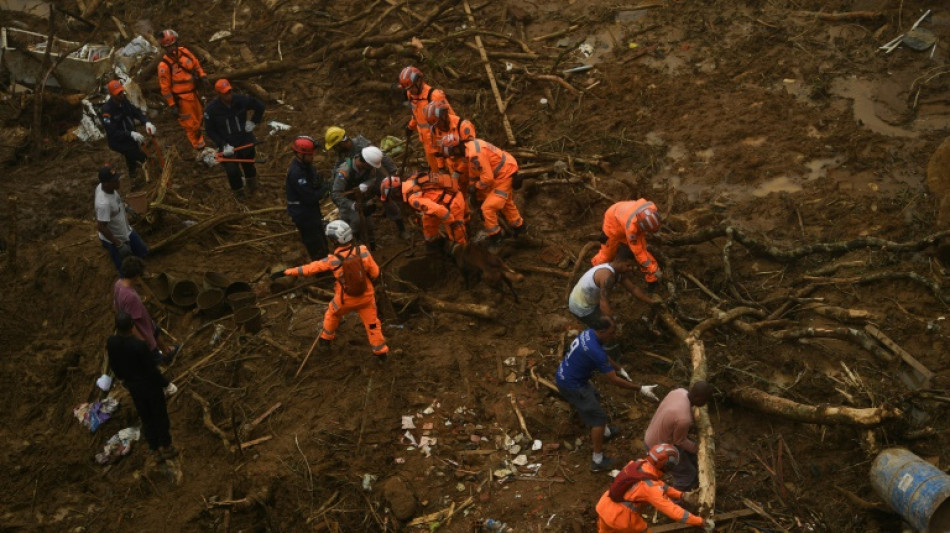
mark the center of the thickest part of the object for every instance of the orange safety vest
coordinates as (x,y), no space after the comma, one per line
(462,128)
(418,103)
(177,76)
(488,164)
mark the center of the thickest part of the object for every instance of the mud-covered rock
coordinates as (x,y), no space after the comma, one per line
(400,498)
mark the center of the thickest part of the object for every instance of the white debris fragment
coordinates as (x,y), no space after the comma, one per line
(521,460)
(368,480)
(407,422)
(277,126)
(536,445)
(410,438)
(218,35)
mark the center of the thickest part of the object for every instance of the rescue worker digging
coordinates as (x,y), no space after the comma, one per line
(118,119)
(354,270)
(232,131)
(639,486)
(349,148)
(420,94)
(305,188)
(491,175)
(629,223)
(434,195)
(179,71)
(352,182)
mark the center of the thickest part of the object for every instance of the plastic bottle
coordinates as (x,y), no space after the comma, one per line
(491,525)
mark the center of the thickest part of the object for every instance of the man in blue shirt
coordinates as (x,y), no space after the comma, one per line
(585,356)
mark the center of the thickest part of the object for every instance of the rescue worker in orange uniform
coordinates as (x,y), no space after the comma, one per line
(638,486)
(442,121)
(629,222)
(179,72)
(437,199)
(420,94)
(344,301)
(491,173)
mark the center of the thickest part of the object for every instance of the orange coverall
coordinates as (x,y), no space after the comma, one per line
(440,203)
(490,170)
(341,304)
(620,225)
(418,122)
(624,517)
(177,76)
(462,128)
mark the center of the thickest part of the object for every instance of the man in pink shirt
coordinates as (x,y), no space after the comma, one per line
(671,423)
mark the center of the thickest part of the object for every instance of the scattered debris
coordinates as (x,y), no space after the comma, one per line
(118,445)
(94,415)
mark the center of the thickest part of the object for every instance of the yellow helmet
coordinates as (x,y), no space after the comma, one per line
(335,134)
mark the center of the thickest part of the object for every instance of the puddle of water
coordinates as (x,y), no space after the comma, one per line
(862,94)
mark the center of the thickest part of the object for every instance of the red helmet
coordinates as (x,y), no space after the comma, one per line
(222,86)
(304,145)
(168,38)
(447,143)
(389,184)
(409,75)
(115,87)
(436,110)
(648,218)
(663,455)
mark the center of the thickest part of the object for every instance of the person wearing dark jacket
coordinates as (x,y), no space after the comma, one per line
(228,126)
(305,189)
(118,117)
(131,361)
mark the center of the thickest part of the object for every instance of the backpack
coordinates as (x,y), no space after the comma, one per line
(354,276)
(631,474)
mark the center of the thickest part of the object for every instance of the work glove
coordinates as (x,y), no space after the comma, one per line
(227,151)
(277,275)
(170,389)
(125,250)
(150,128)
(647,390)
(709,525)
(623,373)
(249,126)
(138,137)
(364,187)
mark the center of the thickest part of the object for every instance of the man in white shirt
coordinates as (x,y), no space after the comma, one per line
(115,232)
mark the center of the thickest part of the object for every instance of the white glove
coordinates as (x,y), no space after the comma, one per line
(364,187)
(709,525)
(227,151)
(647,390)
(249,126)
(623,373)
(138,137)
(150,128)
(170,389)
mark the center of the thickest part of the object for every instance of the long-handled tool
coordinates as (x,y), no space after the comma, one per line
(219,157)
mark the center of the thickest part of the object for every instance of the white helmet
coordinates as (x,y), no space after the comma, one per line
(339,231)
(373,156)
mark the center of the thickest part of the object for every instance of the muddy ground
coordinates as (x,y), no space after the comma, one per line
(793,128)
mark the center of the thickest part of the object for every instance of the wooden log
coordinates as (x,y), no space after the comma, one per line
(542,381)
(491,78)
(831,415)
(444,515)
(209,224)
(252,241)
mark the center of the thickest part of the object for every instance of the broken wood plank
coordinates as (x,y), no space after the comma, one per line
(524,427)
(900,352)
(248,427)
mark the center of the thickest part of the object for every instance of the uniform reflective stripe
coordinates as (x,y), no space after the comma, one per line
(501,193)
(447,215)
(293,203)
(364,254)
(328,332)
(423,126)
(378,347)
(630,505)
(300,271)
(636,212)
(335,262)
(478,146)
(685,517)
(334,306)
(497,169)
(493,230)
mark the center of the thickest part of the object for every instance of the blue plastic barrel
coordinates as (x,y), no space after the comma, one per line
(916,489)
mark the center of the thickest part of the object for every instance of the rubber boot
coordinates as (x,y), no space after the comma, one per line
(239,194)
(251,185)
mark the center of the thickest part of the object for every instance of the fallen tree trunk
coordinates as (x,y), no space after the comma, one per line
(207,225)
(813,414)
